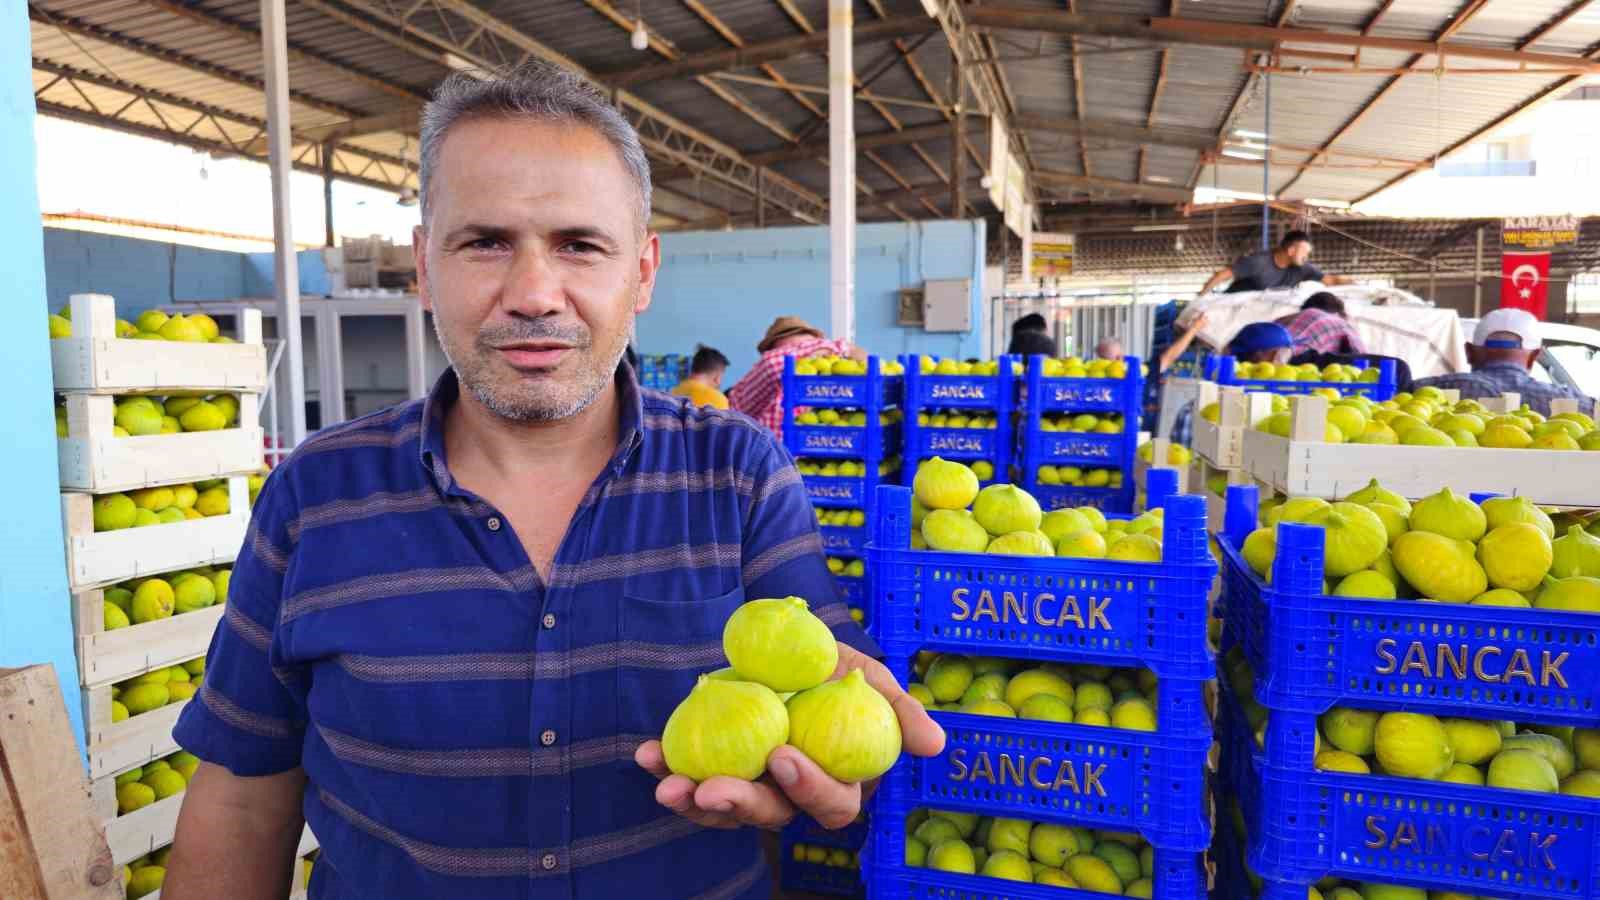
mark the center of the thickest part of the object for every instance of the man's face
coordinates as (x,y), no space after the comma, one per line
(533,263)
(1298,252)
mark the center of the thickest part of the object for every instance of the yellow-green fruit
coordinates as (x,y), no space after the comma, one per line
(1052,845)
(1473,741)
(954,531)
(154,676)
(1549,746)
(1097,519)
(206,325)
(1438,567)
(134,795)
(1575,553)
(1579,593)
(130,776)
(948,677)
(1036,681)
(145,881)
(781,644)
(1058,523)
(1586,746)
(952,855)
(213,502)
(921,694)
(194,593)
(184,496)
(1093,874)
(1353,538)
(1340,761)
(1393,519)
(1523,770)
(966,823)
(940,484)
(1350,421)
(1460,422)
(1391,892)
(1045,708)
(916,853)
(219,585)
(1092,695)
(150,321)
(1259,550)
(1085,543)
(1424,436)
(196,666)
(114,616)
(114,512)
(1502,597)
(141,698)
(1021,543)
(164,782)
(1009,834)
(988,686)
(1143,887)
(1582,783)
(1516,555)
(1350,730)
(203,416)
(1501,435)
(185,764)
(1005,508)
(179,328)
(985,706)
(1463,438)
(1449,514)
(724,728)
(1054,878)
(1558,439)
(1122,860)
(846,727)
(1461,773)
(935,831)
(1499,511)
(1135,548)
(1411,745)
(138,419)
(1134,714)
(154,499)
(1009,865)
(153,600)
(1366,583)
(1377,433)
(1296,509)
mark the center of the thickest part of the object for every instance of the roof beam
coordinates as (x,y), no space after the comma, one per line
(873,141)
(1156,91)
(1190,138)
(1556,21)
(751,55)
(403,121)
(1092,185)
(1078,101)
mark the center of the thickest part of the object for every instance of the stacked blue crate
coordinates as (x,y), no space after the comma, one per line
(1310,652)
(1038,447)
(1224,371)
(928,395)
(872,444)
(803,868)
(1086,611)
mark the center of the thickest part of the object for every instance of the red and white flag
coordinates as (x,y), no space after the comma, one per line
(1524,281)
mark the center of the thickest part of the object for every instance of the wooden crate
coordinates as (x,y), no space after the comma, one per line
(105,657)
(115,747)
(96,559)
(1303,464)
(297,884)
(1158,451)
(95,360)
(91,458)
(1200,473)
(1222,442)
(141,831)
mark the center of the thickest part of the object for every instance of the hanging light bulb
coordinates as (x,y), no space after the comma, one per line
(640,39)
(1177,243)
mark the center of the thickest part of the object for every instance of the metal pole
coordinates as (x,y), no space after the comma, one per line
(285,268)
(1266,170)
(327,194)
(761,198)
(958,141)
(1477,278)
(841,170)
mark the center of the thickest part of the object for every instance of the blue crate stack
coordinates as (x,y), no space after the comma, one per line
(800,874)
(663,372)
(1090,611)
(1310,652)
(874,393)
(1037,447)
(1224,371)
(993,396)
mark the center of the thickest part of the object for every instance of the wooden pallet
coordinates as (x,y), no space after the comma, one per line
(97,559)
(92,458)
(115,747)
(105,657)
(95,360)
(1303,464)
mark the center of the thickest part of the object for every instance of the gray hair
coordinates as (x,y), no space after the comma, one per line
(539,91)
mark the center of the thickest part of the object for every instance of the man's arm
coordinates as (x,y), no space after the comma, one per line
(1222,275)
(253,823)
(1336,280)
(1171,354)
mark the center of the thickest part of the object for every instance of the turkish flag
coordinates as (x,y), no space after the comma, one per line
(1524,281)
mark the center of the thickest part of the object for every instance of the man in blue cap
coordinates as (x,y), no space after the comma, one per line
(1255,343)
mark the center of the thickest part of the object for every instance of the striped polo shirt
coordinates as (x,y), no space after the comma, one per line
(467,730)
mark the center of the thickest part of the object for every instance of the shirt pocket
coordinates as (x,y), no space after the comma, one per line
(666,645)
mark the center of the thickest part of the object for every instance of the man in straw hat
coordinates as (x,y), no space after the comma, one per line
(759,394)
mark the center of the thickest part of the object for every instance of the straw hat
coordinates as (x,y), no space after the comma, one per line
(785,326)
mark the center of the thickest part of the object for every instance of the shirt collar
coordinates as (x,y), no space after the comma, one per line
(447,390)
(1504,366)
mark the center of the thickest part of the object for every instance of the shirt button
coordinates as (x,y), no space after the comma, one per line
(548,738)
(494,524)
(549,620)
(548,861)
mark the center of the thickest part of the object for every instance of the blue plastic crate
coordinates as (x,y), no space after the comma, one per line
(853,590)
(1076,610)
(816,878)
(806,830)
(840,540)
(847,493)
(872,442)
(1080,448)
(1062,496)
(1036,447)
(1311,651)
(872,389)
(1222,370)
(993,395)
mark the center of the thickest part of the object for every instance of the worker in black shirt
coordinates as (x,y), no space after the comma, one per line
(1284,267)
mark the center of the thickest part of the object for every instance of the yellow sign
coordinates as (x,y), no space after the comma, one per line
(1051,255)
(1540,232)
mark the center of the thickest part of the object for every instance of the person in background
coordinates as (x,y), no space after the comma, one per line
(1269,270)
(1181,345)
(1322,327)
(1109,348)
(759,394)
(703,387)
(1256,342)
(1033,343)
(1031,324)
(1503,349)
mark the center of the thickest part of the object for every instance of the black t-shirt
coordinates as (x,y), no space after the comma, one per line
(1258,272)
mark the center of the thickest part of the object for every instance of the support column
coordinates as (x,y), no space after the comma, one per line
(35,615)
(761,198)
(327,194)
(1477,278)
(1266,170)
(285,268)
(958,141)
(841,171)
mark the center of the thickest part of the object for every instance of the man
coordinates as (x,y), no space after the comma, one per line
(703,386)
(456,625)
(1502,351)
(1109,348)
(759,394)
(1030,335)
(1266,270)
(1321,327)
(1256,342)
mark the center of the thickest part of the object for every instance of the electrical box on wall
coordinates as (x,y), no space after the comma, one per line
(947,305)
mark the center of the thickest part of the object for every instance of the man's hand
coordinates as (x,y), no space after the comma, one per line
(793,782)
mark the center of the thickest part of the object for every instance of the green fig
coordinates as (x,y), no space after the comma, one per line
(780,644)
(1499,511)
(846,727)
(724,728)
(1575,553)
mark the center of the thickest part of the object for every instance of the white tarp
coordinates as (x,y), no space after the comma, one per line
(1390,322)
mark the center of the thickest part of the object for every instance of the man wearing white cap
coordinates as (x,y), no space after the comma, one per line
(1503,349)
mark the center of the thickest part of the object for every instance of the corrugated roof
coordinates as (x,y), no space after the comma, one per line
(357,58)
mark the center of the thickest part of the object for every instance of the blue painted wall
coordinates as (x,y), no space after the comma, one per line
(35,609)
(139,273)
(723,289)
(259,277)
